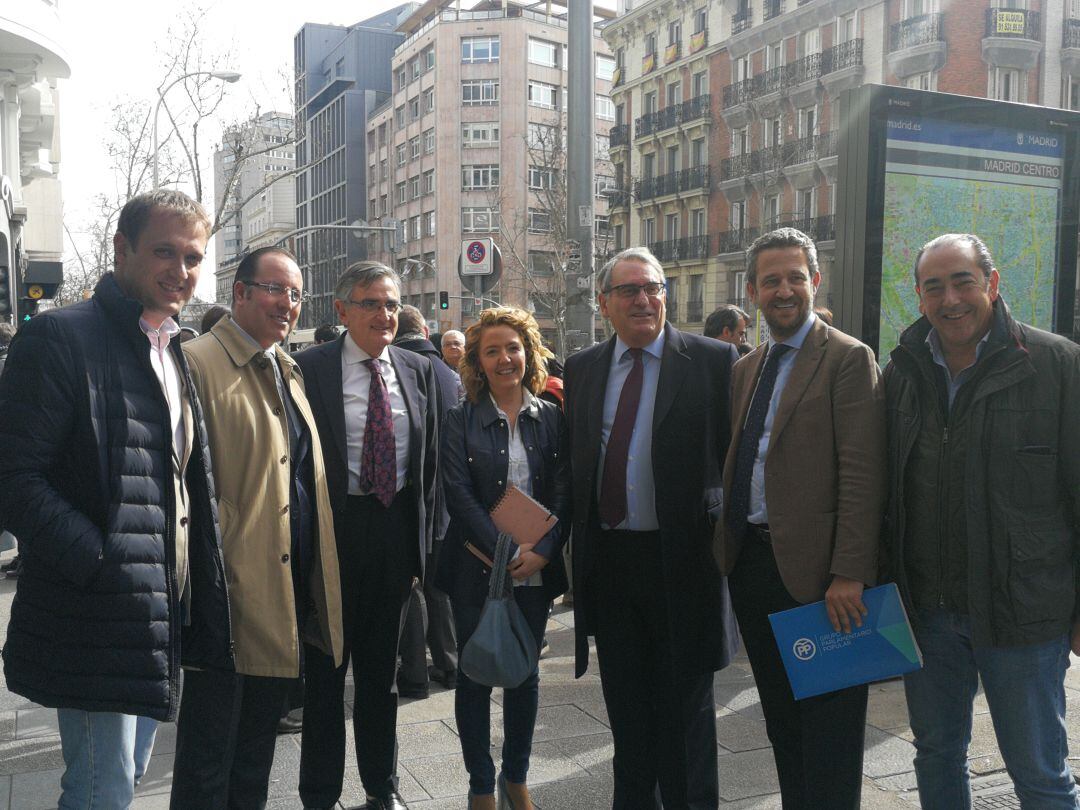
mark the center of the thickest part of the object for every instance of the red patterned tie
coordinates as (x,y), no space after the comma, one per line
(613,484)
(378,460)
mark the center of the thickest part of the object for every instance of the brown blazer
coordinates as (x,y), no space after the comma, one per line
(825,471)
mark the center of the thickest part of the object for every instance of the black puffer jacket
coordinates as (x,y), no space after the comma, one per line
(86,485)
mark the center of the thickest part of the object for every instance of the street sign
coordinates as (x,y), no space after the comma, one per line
(476,257)
(35,291)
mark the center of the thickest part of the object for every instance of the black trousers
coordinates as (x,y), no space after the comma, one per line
(817,742)
(663,722)
(378,558)
(225,740)
(428,624)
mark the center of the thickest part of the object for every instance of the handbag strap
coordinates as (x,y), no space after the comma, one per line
(499,586)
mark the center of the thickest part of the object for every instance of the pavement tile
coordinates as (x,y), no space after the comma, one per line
(7,725)
(158,801)
(886,754)
(5,792)
(285,773)
(874,798)
(887,707)
(739,695)
(590,792)
(592,752)
(771,802)
(438,706)
(746,774)
(737,732)
(439,777)
(557,722)
(36,754)
(36,722)
(165,739)
(36,790)
(429,739)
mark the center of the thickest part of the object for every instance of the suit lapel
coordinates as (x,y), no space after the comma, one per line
(411,392)
(328,379)
(596,377)
(806,363)
(675,363)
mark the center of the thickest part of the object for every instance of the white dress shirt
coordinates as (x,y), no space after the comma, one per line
(355,385)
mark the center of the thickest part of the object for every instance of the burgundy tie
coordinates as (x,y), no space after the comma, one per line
(613,484)
(378,459)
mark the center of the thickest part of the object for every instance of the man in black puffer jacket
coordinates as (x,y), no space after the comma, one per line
(105,478)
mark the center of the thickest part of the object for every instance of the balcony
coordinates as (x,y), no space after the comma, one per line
(801,79)
(686,249)
(736,103)
(1012,38)
(1070,48)
(842,66)
(800,157)
(680,182)
(673,115)
(820,229)
(736,240)
(669,117)
(645,125)
(619,135)
(696,109)
(917,45)
(772,9)
(617,197)
(741,21)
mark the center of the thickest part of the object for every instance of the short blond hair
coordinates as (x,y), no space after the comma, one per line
(472,376)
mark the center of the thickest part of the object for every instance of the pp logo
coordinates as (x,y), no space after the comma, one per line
(804,649)
(1019,138)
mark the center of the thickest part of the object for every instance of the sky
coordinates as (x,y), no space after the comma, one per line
(114,50)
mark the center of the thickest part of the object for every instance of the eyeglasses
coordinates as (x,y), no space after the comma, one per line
(372,305)
(276,290)
(654,289)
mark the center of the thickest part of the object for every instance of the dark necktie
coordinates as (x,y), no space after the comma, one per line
(378,459)
(613,484)
(739,507)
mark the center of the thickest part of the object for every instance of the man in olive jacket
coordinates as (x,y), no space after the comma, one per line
(277,533)
(984,523)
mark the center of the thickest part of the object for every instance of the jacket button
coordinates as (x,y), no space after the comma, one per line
(284,558)
(277,411)
(285,509)
(499,483)
(183,521)
(470,459)
(284,459)
(502,452)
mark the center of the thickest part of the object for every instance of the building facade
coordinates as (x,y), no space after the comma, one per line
(471,144)
(32,60)
(254,191)
(726,112)
(341,74)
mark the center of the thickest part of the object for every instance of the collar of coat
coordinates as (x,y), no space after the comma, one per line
(1004,333)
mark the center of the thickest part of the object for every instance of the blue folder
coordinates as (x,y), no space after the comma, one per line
(818,659)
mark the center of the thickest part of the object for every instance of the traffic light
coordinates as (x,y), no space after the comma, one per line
(5,294)
(444,299)
(28,308)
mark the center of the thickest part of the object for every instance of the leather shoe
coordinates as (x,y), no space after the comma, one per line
(292,723)
(447,679)
(391,802)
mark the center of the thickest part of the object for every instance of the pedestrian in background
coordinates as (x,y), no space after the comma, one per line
(502,435)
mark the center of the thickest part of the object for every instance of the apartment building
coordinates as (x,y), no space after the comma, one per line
(253,172)
(471,144)
(726,112)
(341,74)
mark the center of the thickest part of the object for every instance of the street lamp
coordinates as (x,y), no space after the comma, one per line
(224,75)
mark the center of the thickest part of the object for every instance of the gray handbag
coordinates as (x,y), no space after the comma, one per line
(502,651)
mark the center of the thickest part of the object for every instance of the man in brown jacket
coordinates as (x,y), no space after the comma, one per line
(277,535)
(804,492)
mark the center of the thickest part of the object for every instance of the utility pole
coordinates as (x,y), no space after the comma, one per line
(580,162)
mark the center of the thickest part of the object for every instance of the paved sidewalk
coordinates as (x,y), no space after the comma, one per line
(571,762)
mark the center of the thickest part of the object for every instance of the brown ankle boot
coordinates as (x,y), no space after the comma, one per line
(485,802)
(513,795)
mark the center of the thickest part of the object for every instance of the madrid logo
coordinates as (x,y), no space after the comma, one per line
(804,649)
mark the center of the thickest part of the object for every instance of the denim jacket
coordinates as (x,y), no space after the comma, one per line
(474,463)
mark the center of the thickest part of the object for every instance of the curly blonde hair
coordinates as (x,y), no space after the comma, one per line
(472,375)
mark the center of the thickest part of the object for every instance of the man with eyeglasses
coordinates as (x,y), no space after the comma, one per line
(649,415)
(377,408)
(277,536)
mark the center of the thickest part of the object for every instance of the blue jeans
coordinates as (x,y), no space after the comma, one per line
(1025,688)
(105,755)
(472,702)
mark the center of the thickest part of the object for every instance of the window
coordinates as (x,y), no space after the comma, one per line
(429,141)
(400,193)
(648,230)
(479,134)
(480,49)
(650,44)
(740,141)
(671,159)
(699,84)
(541,136)
(399,116)
(701,17)
(541,264)
(804,203)
(414,187)
(672,298)
(479,220)
(480,176)
(605,68)
(1006,84)
(429,181)
(738,215)
(740,70)
(605,108)
(539,221)
(603,147)
(695,299)
(922,81)
(674,32)
(845,28)
(401,78)
(620,114)
(650,102)
(542,94)
(770,211)
(698,157)
(807,121)
(648,166)
(774,55)
(542,52)
(771,131)
(1071,94)
(671,227)
(697,222)
(414,227)
(674,93)
(427,58)
(417,68)
(810,42)
(429,223)
(541,178)
(601,184)
(414,108)
(601,225)
(429,100)
(414,147)
(477,92)
(400,152)
(617,237)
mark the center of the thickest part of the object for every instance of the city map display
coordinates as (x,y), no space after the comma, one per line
(1000,183)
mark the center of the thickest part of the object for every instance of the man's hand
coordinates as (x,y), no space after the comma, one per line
(526,564)
(844,603)
(1074,638)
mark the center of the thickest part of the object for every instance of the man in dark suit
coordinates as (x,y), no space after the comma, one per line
(649,417)
(804,495)
(376,407)
(429,612)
